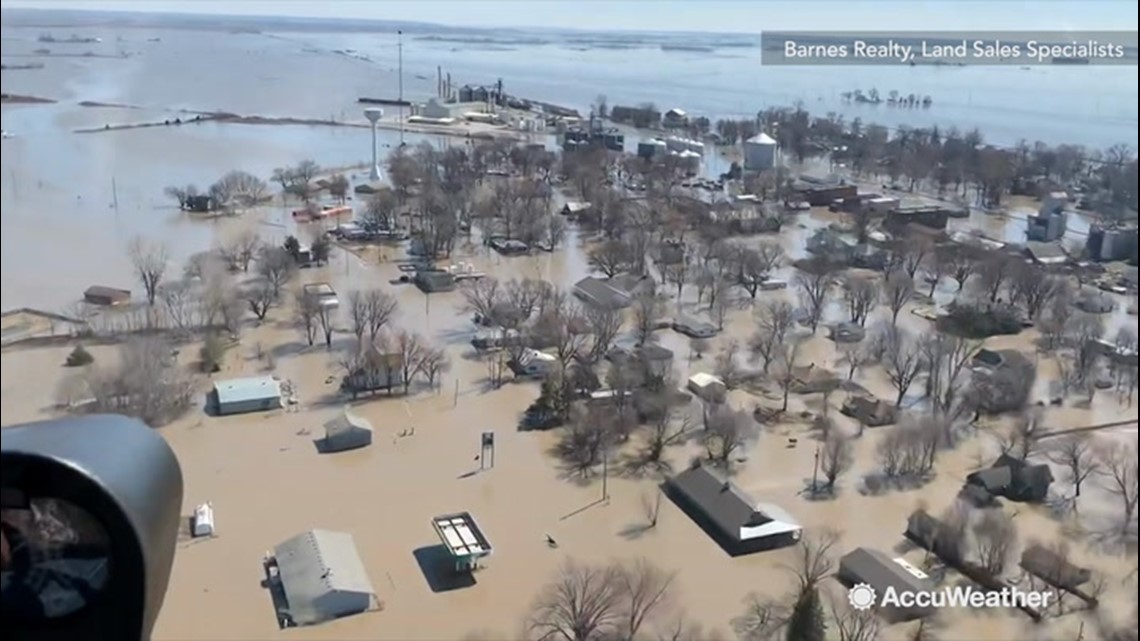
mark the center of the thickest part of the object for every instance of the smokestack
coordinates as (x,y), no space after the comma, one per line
(439,82)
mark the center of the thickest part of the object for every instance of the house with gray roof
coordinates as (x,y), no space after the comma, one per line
(1014,479)
(598,293)
(251,394)
(732,518)
(320,576)
(871,567)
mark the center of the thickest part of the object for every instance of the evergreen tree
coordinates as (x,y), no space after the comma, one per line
(807,622)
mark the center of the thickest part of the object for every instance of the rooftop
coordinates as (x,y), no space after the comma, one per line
(736,514)
(236,390)
(461,535)
(317,563)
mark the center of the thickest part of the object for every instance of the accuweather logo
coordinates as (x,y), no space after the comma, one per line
(864,597)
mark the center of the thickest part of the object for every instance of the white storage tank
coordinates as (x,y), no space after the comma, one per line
(760,152)
(675,144)
(203,523)
(690,160)
(695,146)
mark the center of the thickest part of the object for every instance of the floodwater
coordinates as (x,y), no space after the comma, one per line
(262,472)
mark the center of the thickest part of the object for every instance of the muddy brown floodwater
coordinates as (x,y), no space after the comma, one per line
(266,481)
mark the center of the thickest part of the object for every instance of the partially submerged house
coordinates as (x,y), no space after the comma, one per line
(602,294)
(1045,254)
(574,209)
(346,432)
(694,327)
(934,217)
(871,412)
(707,387)
(1054,569)
(730,516)
(106,296)
(321,577)
(1014,479)
(813,379)
(431,281)
(656,360)
(533,363)
(251,394)
(882,573)
(376,370)
(321,294)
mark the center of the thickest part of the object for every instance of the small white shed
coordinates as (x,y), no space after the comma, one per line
(203,521)
(707,387)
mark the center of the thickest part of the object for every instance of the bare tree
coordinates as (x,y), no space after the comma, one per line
(726,366)
(1033,289)
(644,593)
(726,431)
(610,258)
(898,290)
(149,261)
(787,355)
(814,282)
(524,295)
(773,321)
(1120,479)
(410,349)
(276,266)
(482,295)
(860,294)
(147,383)
(647,312)
(604,326)
(584,603)
(650,504)
(945,359)
(667,425)
(995,270)
(588,438)
(995,540)
(380,307)
(306,311)
(179,304)
(1076,454)
(852,624)
(903,361)
(357,312)
(856,356)
(241,250)
(260,297)
(326,320)
(835,458)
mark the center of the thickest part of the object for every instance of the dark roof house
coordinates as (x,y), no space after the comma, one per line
(599,293)
(728,515)
(881,572)
(1053,568)
(106,296)
(872,412)
(1014,479)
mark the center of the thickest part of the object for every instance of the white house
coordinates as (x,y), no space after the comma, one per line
(707,387)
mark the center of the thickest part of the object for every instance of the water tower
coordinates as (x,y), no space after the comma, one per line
(373,114)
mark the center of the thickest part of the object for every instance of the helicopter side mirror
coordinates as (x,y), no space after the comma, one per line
(90,514)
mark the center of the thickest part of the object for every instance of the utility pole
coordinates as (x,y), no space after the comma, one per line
(815,472)
(400,59)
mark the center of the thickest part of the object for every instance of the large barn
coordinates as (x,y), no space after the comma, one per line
(252,394)
(321,577)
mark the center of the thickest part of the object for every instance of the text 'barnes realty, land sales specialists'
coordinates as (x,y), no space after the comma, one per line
(965,51)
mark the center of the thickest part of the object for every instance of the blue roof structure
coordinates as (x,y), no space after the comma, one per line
(254,388)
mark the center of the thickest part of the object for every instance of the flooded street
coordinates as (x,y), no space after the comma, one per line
(72,202)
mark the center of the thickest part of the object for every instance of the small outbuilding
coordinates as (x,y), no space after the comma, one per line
(202,523)
(1054,569)
(730,516)
(1014,479)
(871,567)
(106,296)
(872,412)
(707,387)
(346,432)
(321,577)
(252,394)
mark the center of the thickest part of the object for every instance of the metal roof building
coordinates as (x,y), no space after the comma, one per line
(253,394)
(881,572)
(346,432)
(322,577)
(729,515)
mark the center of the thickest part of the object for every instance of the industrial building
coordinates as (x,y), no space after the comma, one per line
(320,577)
(252,394)
(732,518)
(760,152)
(1107,244)
(346,432)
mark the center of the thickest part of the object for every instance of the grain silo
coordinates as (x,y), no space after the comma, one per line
(760,152)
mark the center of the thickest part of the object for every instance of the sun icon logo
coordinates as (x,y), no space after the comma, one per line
(861,596)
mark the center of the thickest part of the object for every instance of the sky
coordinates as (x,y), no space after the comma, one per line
(724,16)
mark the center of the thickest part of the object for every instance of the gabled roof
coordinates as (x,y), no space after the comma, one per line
(316,563)
(599,292)
(1053,568)
(733,512)
(876,569)
(237,390)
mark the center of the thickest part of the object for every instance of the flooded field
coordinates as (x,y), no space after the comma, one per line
(72,202)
